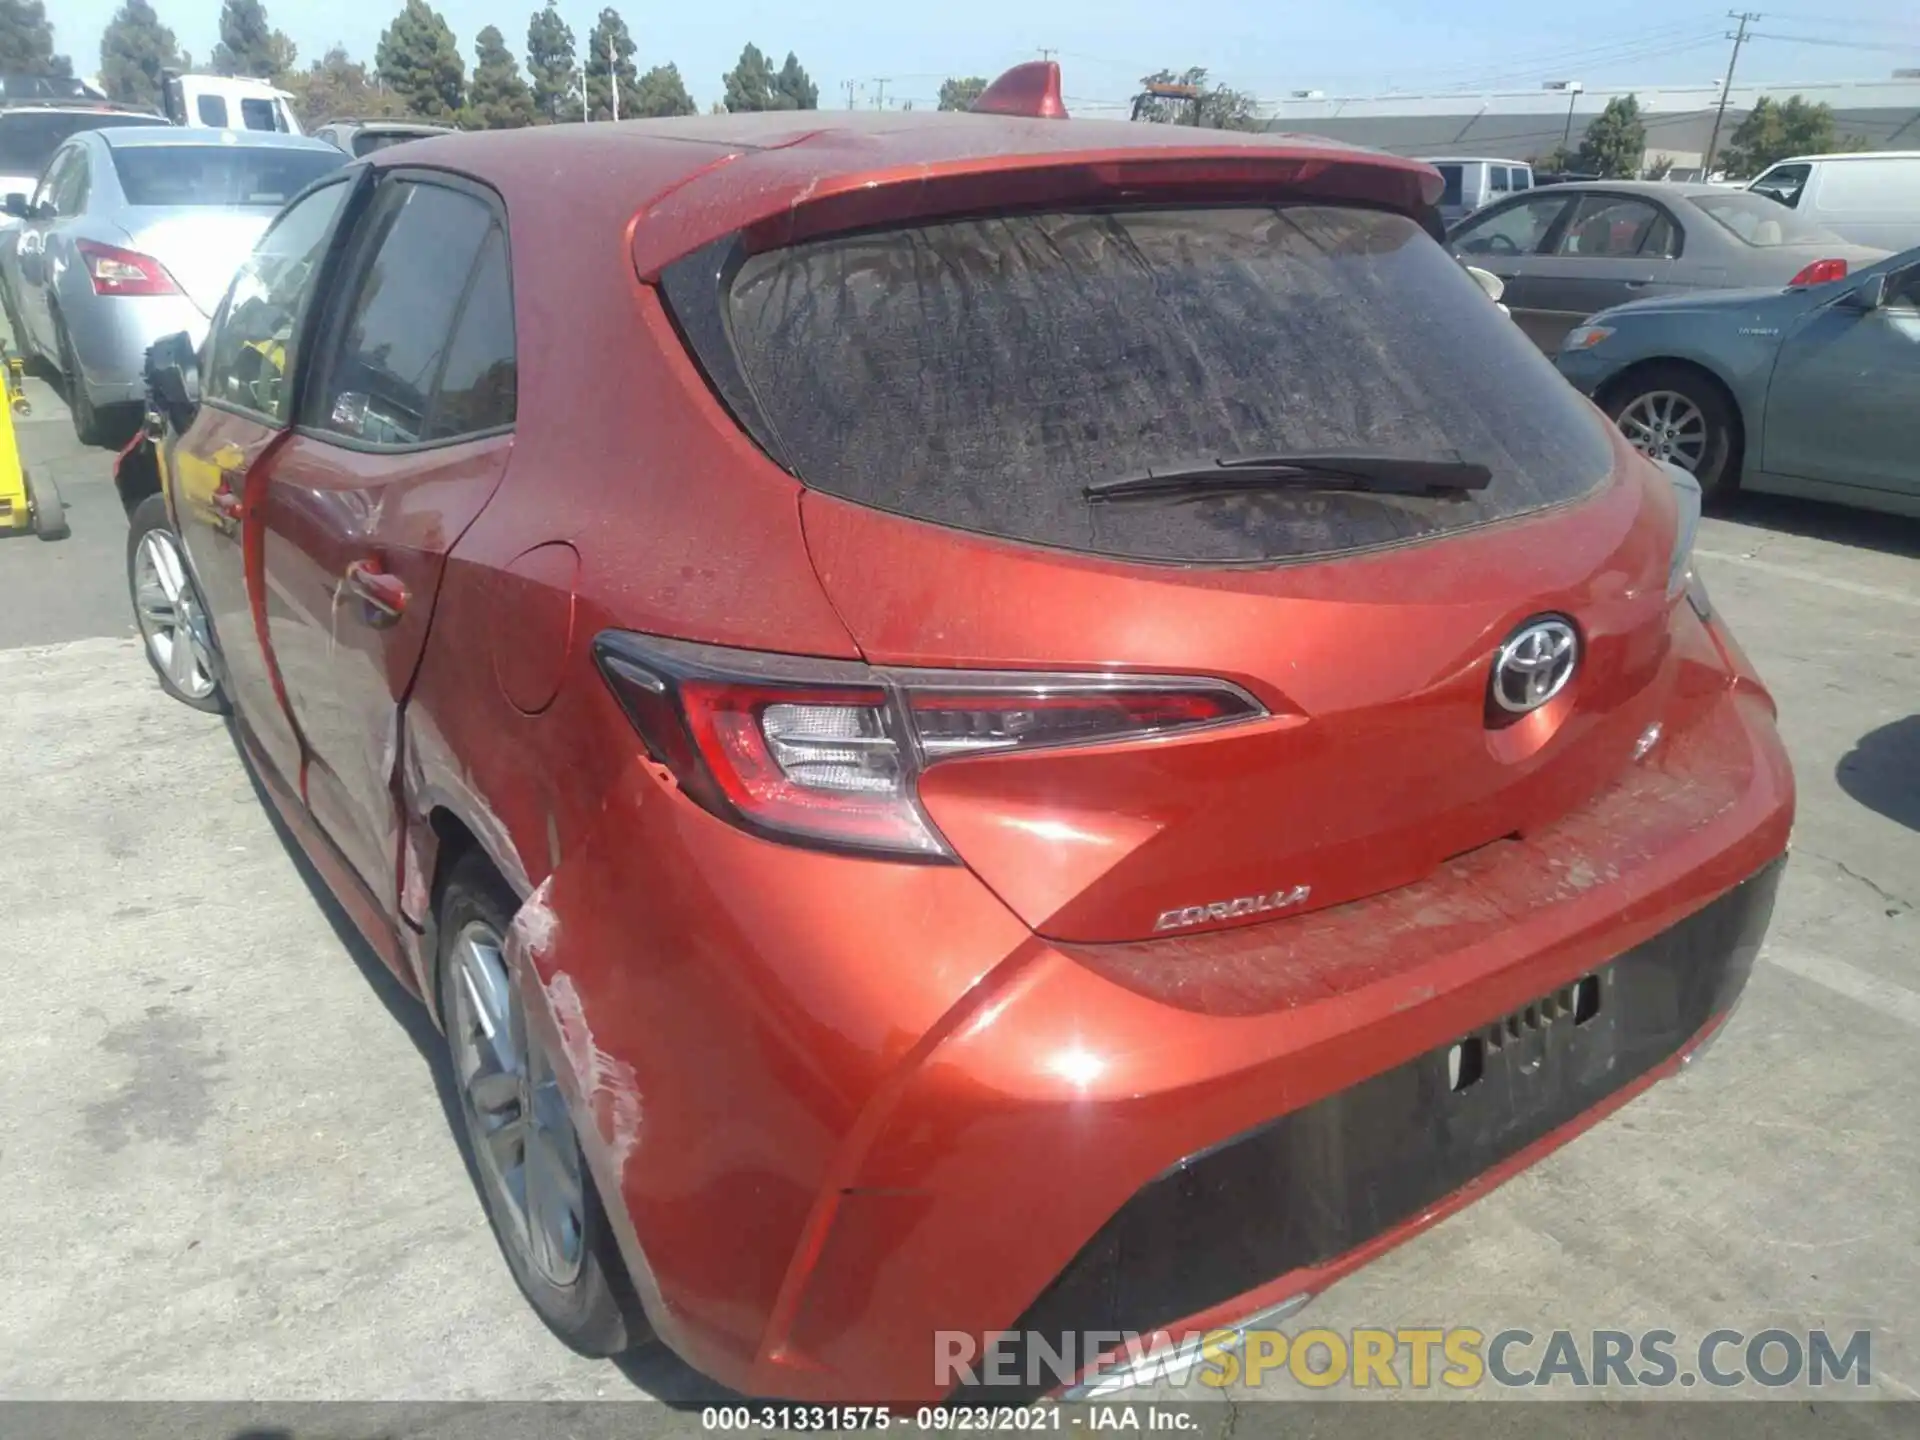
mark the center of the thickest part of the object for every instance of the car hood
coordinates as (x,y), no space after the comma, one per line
(1770,299)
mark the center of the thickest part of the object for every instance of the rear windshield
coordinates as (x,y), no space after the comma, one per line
(368,141)
(29,138)
(218,174)
(1762,221)
(980,373)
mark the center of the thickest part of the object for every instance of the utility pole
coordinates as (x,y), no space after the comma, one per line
(880,92)
(1739,38)
(1046,54)
(849,86)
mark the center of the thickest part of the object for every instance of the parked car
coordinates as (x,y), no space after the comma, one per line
(363,137)
(1872,198)
(16,87)
(1571,250)
(1797,392)
(1472,184)
(30,133)
(133,234)
(848,684)
(229,102)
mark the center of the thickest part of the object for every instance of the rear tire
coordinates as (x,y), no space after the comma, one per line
(174,632)
(1675,413)
(49,509)
(86,419)
(517,1134)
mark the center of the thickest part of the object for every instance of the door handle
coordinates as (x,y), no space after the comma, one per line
(383,597)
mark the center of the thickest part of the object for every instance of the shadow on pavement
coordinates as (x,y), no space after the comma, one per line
(1819,520)
(1882,771)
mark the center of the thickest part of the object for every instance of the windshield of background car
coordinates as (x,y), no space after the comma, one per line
(980,373)
(185,175)
(1761,221)
(29,138)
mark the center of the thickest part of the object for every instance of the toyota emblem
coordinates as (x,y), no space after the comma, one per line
(1534,665)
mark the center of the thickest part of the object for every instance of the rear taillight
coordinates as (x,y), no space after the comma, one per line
(1820,272)
(829,752)
(114,271)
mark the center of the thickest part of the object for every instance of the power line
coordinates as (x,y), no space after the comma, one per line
(1908,48)
(1739,38)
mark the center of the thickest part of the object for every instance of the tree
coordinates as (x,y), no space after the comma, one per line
(418,60)
(1213,107)
(661,91)
(1658,168)
(134,50)
(1557,161)
(959,94)
(796,85)
(248,45)
(335,87)
(1772,132)
(750,84)
(26,40)
(552,68)
(1616,142)
(498,99)
(609,63)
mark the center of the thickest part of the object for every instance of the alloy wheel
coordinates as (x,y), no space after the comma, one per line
(171,621)
(1666,425)
(523,1137)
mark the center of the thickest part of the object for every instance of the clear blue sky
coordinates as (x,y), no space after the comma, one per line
(1360,46)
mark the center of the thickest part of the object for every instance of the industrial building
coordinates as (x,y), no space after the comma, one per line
(1526,124)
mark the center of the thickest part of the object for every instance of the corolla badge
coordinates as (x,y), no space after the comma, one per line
(1232,909)
(1534,665)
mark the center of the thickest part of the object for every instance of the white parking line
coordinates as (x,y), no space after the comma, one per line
(1813,577)
(1844,979)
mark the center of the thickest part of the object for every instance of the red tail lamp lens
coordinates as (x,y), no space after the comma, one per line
(1820,272)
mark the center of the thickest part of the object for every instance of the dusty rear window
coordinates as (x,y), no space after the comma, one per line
(981,373)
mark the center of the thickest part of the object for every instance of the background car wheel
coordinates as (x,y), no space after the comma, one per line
(173,623)
(517,1133)
(1676,414)
(49,508)
(86,418)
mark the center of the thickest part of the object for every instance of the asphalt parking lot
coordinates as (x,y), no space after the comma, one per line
(231,1176)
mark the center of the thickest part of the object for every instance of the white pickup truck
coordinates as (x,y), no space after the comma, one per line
(229,102)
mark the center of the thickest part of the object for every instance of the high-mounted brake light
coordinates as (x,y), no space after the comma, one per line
(829,752)
(1820,272)
(114,271)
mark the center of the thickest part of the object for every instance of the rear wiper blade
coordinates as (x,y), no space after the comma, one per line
(1371,474)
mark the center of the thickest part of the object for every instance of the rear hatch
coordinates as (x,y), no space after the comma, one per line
(198,209)
(948,391)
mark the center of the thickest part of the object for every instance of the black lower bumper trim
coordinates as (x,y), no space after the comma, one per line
(1315,1183)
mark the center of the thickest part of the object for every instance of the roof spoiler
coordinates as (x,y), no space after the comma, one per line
(1032,89)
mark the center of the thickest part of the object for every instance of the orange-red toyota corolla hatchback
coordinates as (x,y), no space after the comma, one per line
(971,723)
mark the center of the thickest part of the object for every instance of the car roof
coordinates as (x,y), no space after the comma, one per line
(1657,189)
(1851,155)
(138,136)
(697,178)
(78,106)
(1472,160)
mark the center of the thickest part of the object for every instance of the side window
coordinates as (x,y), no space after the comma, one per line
(70,195)
(1609,227)
(246,364)
(1783,183)
(259,115)
(1518,229)
(1451,176)
(212,110)
(1903,289)
(54,179)
(477,387)
(1497,179)
(1522,178)
(409,278)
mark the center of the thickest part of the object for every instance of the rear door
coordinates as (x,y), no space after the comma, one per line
(1509,240)
(52,201)
(1842,404)
(220,466)
(1614,248)
(404,432)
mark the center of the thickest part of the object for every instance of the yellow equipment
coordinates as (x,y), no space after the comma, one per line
(25,503)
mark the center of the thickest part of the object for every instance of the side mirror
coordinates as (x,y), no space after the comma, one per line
(173,377)
(1868,296)
(1488,281)
(15,205)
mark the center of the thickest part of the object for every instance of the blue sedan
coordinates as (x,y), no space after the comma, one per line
(1811,390)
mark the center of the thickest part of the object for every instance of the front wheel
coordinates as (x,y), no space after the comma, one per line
(1672,414)
(518,1133)
(173,623)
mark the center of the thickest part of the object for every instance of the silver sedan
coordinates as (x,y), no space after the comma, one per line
(132,234)
(1569,251)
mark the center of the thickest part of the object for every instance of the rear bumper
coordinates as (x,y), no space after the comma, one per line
(845,1107)
(111,335)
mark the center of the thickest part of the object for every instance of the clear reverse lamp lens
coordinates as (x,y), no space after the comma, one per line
(837,748)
